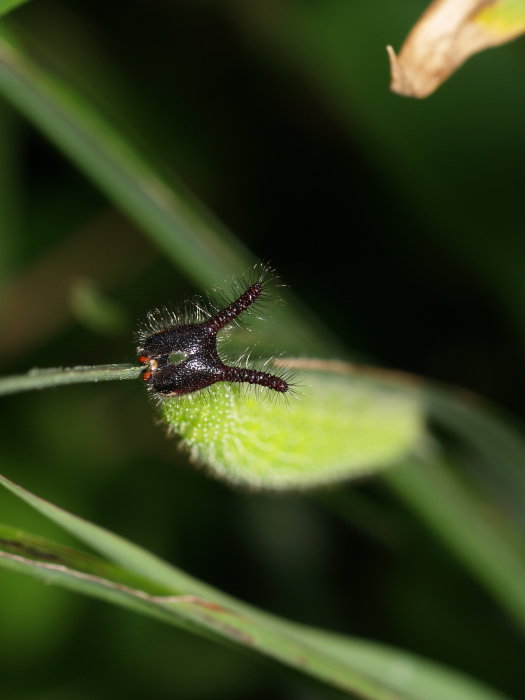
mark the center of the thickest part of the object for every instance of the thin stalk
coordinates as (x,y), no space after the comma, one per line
(58,376)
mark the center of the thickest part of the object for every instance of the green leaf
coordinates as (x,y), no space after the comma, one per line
(37,550)
(337,426)
(146,585)
(494,442)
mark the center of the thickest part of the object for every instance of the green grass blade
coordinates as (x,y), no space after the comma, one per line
(18,543)
(7,6)
(362,668)
(492,439)
(477,533)
(112,546)
(60,376)
(423,678)
(85,573)
(481,533)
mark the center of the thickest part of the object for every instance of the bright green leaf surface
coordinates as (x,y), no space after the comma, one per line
(369,670)
(336,427)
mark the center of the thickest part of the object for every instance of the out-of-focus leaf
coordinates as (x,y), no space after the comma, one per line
(143,583)
(472,528)
(30,548)
(492,439)
(96,310)
(29,317)
(9,5)
(448,33)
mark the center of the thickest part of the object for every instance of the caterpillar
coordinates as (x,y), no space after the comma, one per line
(344,425)
(180,352)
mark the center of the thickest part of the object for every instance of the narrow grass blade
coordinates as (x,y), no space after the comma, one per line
(496,445)
(32,548)
(476,533)
(7,6)
(368,670)
(60,376)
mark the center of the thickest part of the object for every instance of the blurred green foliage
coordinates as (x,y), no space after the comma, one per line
(399,223)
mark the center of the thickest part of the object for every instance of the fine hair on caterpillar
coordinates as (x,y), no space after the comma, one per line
(180,350)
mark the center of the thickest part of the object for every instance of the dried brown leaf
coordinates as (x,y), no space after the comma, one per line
(447,33)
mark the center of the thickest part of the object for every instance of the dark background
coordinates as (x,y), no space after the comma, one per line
(399,223)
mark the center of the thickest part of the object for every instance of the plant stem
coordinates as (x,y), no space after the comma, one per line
(57,376)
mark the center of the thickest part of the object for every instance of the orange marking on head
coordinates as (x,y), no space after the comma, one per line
(143,359)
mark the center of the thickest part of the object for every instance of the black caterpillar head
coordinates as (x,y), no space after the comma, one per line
(183,357)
